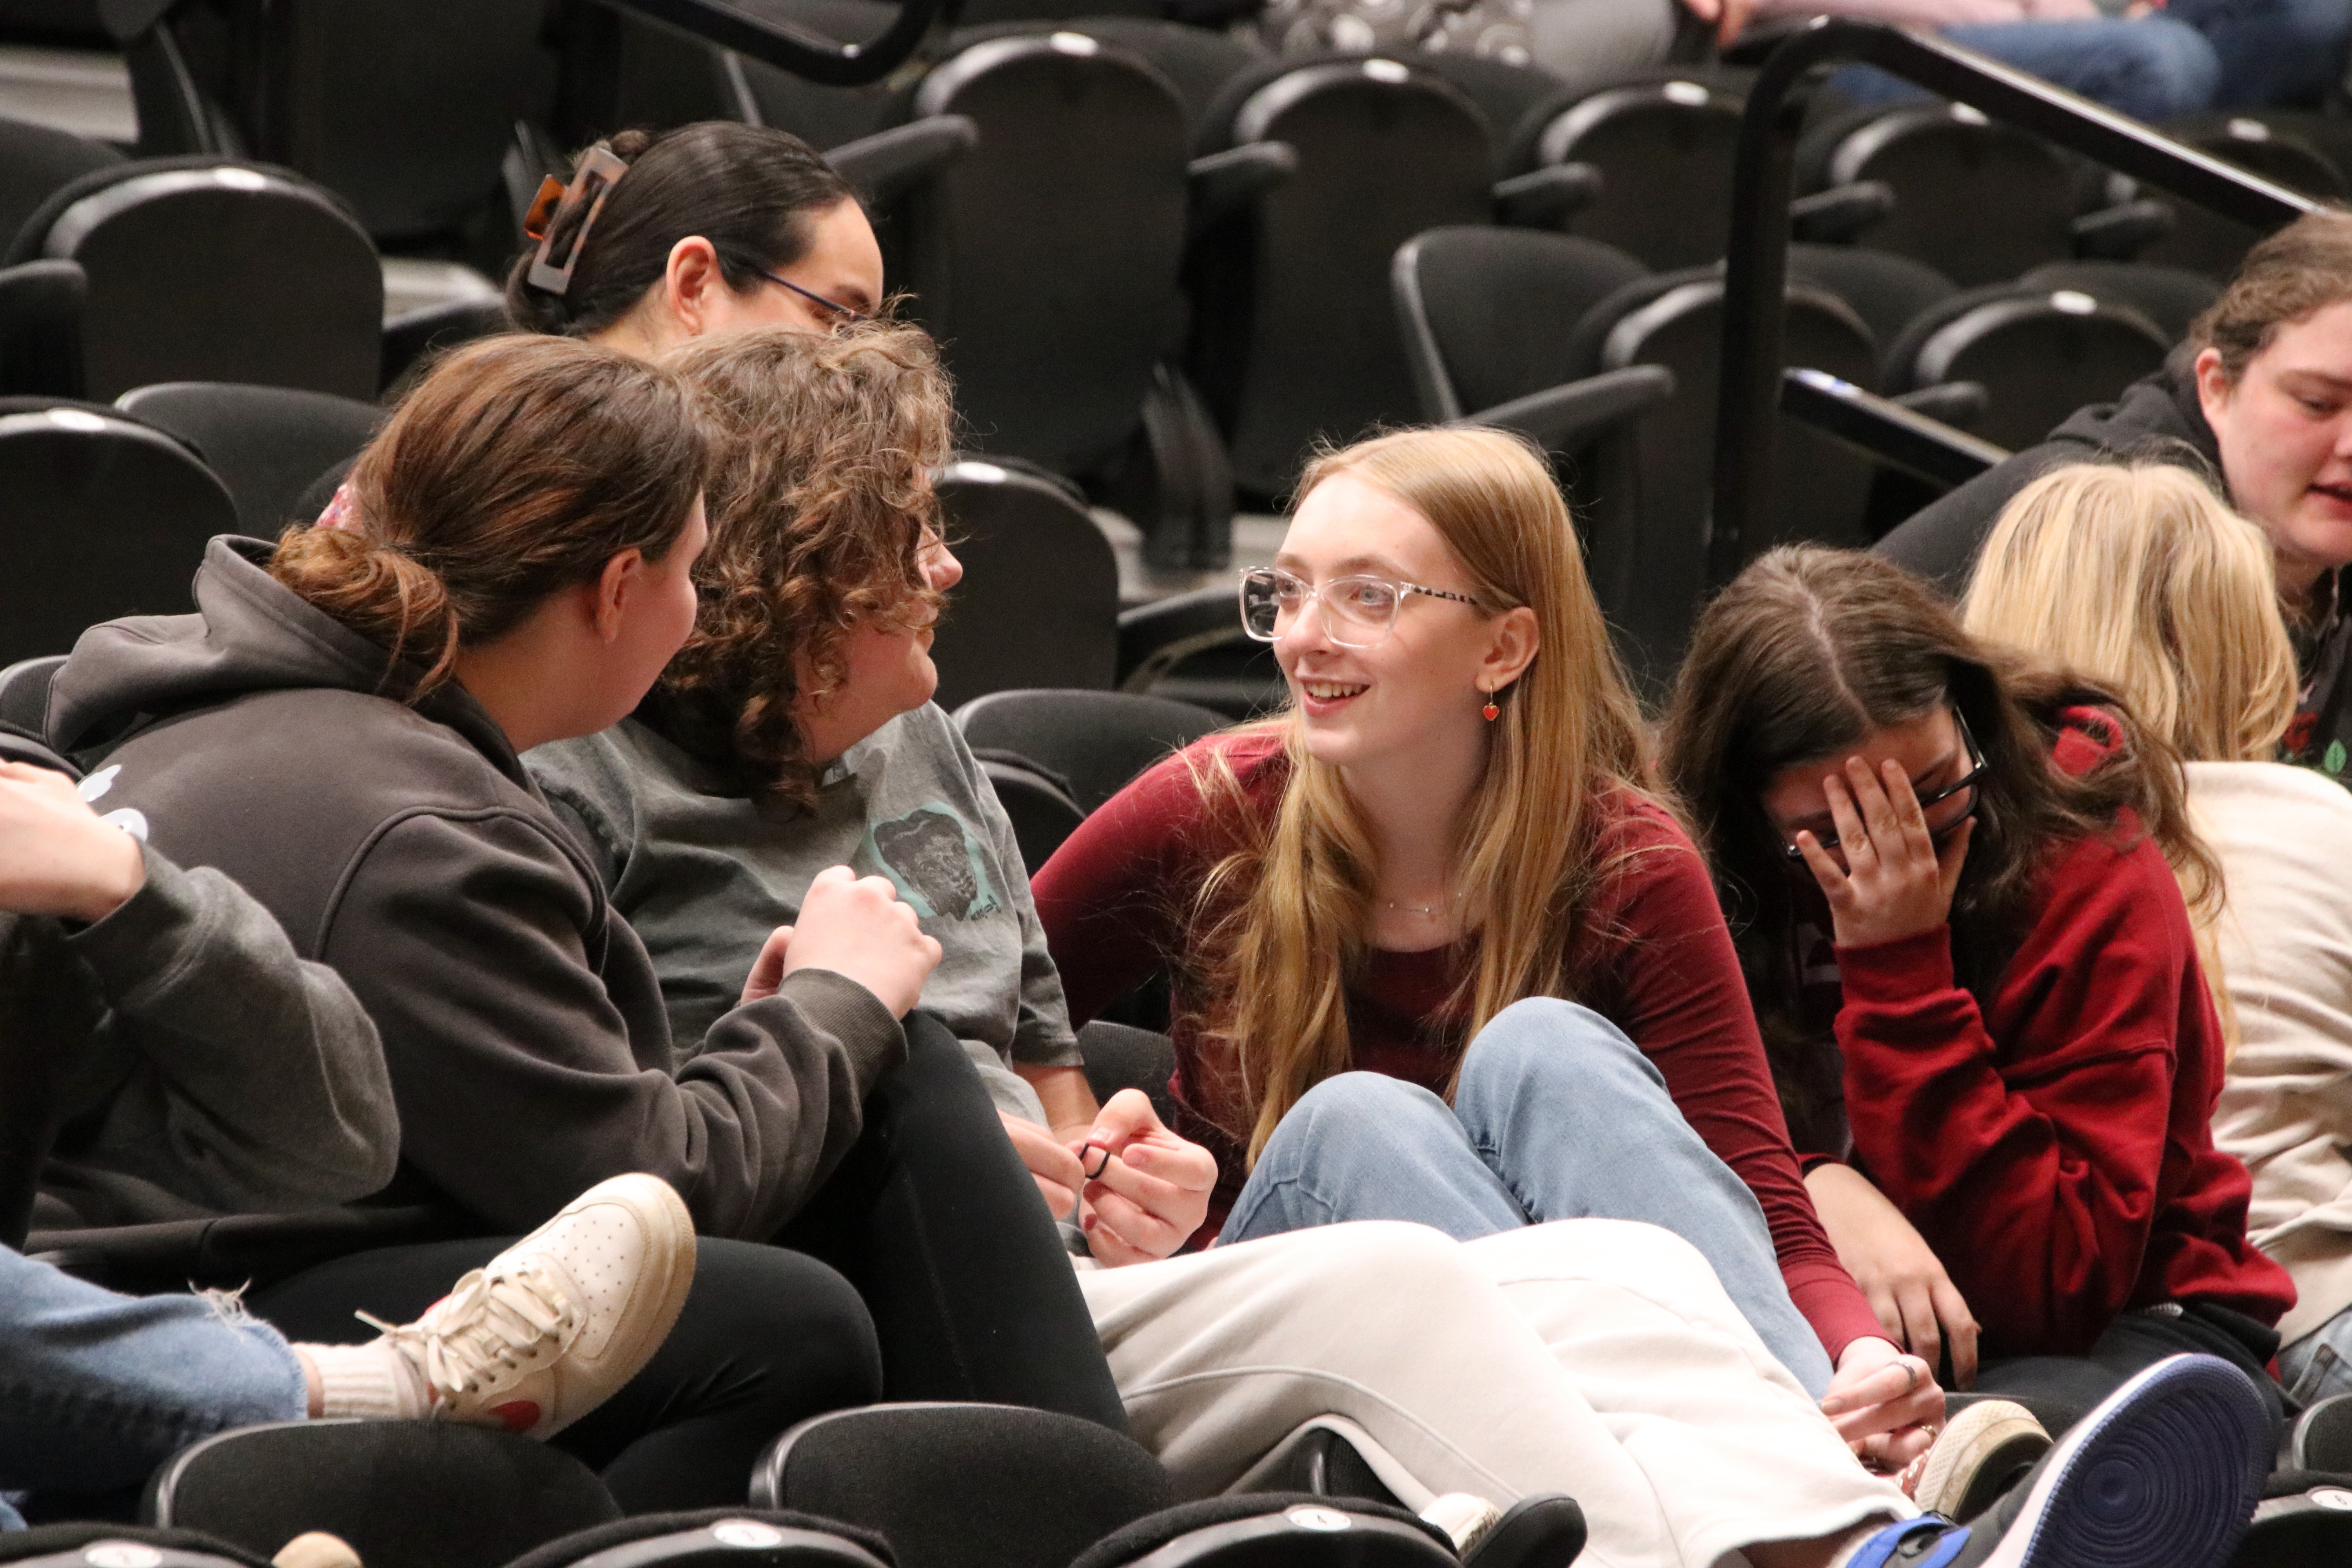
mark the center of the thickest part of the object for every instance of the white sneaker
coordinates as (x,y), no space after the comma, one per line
(553,1327)
(1979,1456)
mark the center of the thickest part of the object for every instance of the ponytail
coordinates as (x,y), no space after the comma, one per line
(517,468)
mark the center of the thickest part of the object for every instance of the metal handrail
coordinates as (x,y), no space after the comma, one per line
(794,48)
(1764,176)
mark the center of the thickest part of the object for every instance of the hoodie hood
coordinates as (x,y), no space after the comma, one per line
(250,634)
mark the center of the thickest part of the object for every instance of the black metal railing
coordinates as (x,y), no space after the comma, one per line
(1756,268)
(790,47)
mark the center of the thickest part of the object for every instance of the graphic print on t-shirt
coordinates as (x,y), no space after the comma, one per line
(933,859)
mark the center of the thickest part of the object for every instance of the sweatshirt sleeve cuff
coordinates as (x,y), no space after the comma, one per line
(1829,1301)
(852,1015)
(1900,970)
(125,948)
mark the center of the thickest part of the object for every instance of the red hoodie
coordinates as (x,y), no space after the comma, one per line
(2055,1147)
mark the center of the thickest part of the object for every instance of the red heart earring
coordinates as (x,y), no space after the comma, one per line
(1490,712)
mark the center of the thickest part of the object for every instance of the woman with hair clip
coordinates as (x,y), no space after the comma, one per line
(2259,397)
(1594,1357)
(336,729)
(711,227)
(2139,578)
(1951,879)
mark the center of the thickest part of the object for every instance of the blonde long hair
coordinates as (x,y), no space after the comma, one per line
(2139,575)
(1280,920)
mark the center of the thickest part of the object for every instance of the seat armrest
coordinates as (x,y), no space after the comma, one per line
(1543,198)
(885,165)
(1886,430)
(2121,232)
(1960,403)
(1837,214)
(1221,183)
(1154,637)
(1562,419)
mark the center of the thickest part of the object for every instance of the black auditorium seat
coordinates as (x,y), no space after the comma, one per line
(1096,741)
(1663,151)
(267,444)
(1979,201)
(2040,353)
(201,269)
(2206,242)
(1039,600)
(2171,297)
(714,1538)
(105,517)
(35,161)
(1293,335)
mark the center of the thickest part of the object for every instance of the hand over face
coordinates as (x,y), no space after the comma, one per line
(1897,881)
(57,857)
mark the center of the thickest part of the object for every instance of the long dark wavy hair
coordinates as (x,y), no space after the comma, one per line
(1811,649)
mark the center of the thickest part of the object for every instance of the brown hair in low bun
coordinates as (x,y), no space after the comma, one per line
(518,468)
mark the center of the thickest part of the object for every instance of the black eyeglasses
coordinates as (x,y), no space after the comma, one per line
(1966,780)
(810,295)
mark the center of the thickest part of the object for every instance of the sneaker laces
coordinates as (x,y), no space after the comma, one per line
(488,1332)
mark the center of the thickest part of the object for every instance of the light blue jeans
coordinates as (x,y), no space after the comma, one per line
(1557,1116)
(97,1389)
(2319,1364)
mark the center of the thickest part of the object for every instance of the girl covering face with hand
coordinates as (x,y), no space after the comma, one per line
(1951,879)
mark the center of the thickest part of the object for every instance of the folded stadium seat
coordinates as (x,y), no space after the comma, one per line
(1294,336)
(1096,741)
(111,1545)
(2305,1520)
(41,306)
(1039,600)
(405,1494)
(1643,140)
(204,269)
(1190,648)
(1979,201)
(1886,290)
(2209,243)
(105,517)
(714,1538)
(37,161)
(267,444)
(404,108)
(1505,319)
(1037,802)
(2039,353)
(24,702)
(991,1486)
(2171,297)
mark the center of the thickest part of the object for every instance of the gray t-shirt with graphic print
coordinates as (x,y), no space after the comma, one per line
(704,875)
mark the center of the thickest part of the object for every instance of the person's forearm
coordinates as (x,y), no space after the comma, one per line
(1069,1101)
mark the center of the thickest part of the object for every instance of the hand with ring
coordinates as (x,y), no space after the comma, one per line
(1885,1403)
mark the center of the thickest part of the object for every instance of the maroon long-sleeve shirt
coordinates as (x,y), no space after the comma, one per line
(1114,900)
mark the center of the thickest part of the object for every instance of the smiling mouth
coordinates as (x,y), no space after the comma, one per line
(1332,691)
(2340,494)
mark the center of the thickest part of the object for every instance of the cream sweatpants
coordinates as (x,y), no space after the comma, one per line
(1595,1357)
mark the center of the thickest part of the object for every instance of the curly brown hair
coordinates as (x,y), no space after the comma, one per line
(820,503)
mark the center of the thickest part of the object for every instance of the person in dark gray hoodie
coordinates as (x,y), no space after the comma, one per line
(336,729)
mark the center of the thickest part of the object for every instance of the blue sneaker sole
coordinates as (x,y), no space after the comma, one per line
(2165,1474)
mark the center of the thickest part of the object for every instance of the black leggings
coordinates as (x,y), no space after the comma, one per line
(2062,1390)
(937,1222)
(966,1295)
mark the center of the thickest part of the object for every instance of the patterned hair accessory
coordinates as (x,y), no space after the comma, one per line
(340,515)
(600,170)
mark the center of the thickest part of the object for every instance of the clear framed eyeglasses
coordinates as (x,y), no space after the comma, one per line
(1357,612)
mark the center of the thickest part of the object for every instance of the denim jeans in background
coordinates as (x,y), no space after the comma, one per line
(2155,69)
(1559,1116)
(2271,51)
(97,1389)
(2320,1364)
